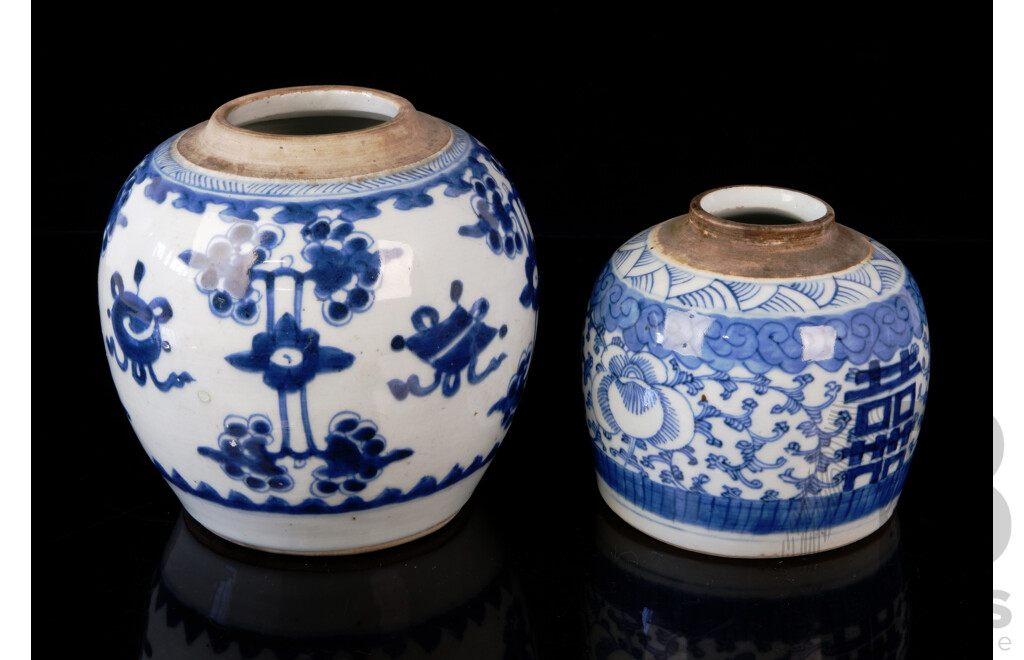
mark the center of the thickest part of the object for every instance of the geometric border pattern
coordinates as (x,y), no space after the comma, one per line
(426,486)
(747,516)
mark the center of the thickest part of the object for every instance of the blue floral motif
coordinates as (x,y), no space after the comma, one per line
(636,370)
(354,455)
(820,453)
(243,454)
(498,220)
(633,397)
(137,332)
(225,268)
(450,346)
(241,275)
(345,269)
(507,404)
(290,357)
(501,222)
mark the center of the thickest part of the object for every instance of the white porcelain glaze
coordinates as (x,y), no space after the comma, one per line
(321,361)
(754,415)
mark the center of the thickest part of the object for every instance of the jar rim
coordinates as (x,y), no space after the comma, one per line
(812,217)
(812,244)
(403,138)
(310,101)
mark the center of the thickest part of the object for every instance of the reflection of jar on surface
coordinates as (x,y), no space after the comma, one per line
(447,595)
(649,600)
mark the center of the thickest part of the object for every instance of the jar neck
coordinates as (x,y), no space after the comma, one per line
(761,232)
(314,133)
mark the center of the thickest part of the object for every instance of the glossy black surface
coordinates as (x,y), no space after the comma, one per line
(563,580)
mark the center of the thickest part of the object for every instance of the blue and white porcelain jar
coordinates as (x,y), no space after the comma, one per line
(319,309)
(755,376)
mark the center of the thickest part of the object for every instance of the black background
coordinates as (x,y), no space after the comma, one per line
(607,125)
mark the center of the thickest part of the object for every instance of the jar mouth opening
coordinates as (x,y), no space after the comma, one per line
(314,133)
(773,233)
(311,112)
(762,214)
(762,205)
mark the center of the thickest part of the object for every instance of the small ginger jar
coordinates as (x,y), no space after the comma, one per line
(319,310)
(755,376)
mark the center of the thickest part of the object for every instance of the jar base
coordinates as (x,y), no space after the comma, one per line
(349,533)
(341,553)
(745,546)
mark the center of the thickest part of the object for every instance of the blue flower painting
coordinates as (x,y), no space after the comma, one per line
(354,456)
(344,268)
(633,398)
(290,357)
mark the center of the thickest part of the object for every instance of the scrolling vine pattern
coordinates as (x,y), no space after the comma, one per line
(745,387)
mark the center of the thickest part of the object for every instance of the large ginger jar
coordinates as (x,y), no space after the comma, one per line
(755,377)
(319,309)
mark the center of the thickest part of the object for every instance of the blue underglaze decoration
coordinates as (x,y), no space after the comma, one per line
(356,200)
(137,332)
(224,270)
(750,463)
(528,297)
(876,331)
(749,516)
(501,222)
(643,270)
(344,268)
(822,436)
(116,218)
(497,218)
(167,167)
(354,455)
(360,208)
(651,389)
(290,357)
(449,346)
(885,420)
(660,405)
(243,454)
(644,385)
(243,277)
(517,385)
(425,486)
